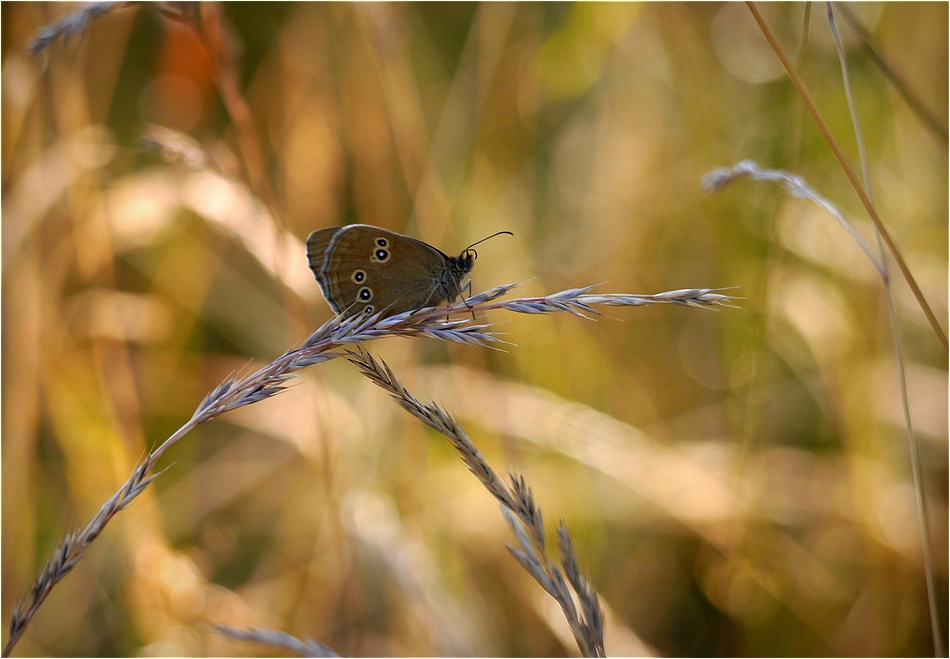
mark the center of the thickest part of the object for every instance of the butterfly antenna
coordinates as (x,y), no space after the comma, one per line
(500,233)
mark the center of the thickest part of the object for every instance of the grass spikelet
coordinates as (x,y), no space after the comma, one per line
(518,507)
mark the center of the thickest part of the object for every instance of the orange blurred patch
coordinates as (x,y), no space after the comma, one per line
(181,92)
(184,55)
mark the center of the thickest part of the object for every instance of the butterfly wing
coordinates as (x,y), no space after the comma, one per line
(317,243)
(367,269)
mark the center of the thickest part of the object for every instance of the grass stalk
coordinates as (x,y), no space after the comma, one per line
(867,42)
(914,449)
(277,639)
(329,342)
(849,172)
(578,600)
(795,185)
(71,25)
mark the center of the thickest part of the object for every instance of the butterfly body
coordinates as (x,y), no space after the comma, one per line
(363,269)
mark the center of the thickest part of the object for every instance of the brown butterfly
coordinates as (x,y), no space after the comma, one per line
(363,269)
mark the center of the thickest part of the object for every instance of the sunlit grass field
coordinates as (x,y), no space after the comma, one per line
(736,481)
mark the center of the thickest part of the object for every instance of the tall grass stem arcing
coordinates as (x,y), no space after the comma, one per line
(329,342)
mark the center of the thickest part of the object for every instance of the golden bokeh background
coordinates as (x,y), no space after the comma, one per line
(736,482)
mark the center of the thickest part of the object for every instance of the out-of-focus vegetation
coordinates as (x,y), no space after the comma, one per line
(736,483)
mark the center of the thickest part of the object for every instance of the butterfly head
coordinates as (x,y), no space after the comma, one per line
(466,260)
(461,265)
(457,267)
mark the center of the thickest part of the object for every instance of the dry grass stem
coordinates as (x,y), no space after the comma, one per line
(916,468)
(72,24)
(796,186)
(205,19)
(326,344)
(273,637)
(71,550)
(849,172)
(867,41)
(76,22)
(518,507)
(856,125)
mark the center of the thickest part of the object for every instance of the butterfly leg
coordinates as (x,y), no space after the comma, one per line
(468,287)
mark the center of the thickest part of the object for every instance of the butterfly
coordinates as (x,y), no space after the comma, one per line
(363,269)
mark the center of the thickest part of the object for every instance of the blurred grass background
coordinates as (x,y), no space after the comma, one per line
(736,483)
